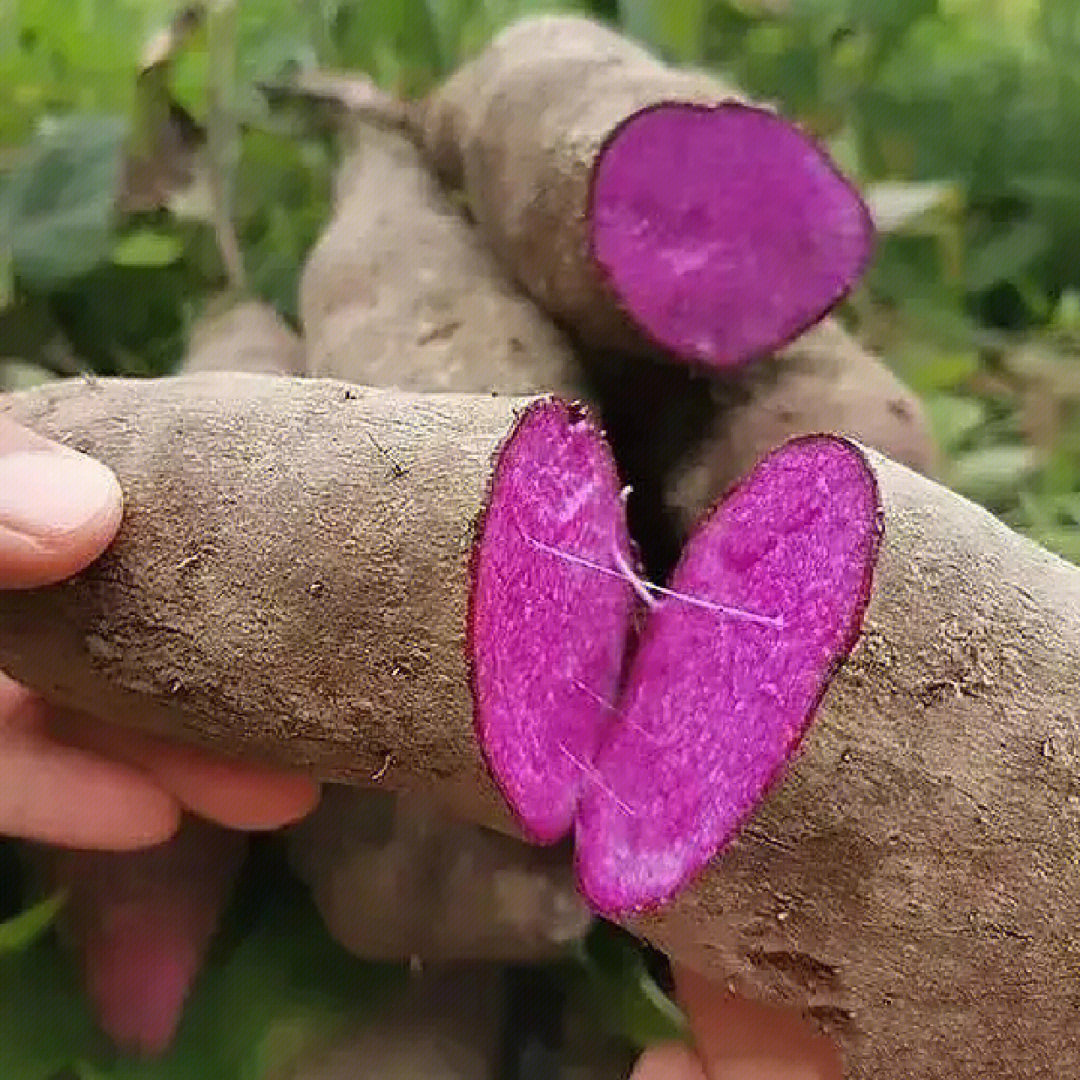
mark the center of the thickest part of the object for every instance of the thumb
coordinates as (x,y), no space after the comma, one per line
(59,509)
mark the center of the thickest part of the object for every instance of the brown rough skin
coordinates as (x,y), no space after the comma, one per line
(249,336)
(824,381)
(395,879)
(518,129)
(139,923)
(291,573)
(683,437)
(912,883)
(401,291)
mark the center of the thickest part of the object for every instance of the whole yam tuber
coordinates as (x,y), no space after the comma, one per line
(645,208)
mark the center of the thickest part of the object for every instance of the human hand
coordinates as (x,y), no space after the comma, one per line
(736,1039)
(65,778)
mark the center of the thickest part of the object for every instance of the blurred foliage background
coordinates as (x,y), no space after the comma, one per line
(143,171)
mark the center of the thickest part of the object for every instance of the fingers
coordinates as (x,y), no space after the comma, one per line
(141,923)
(740,1039)
(58,509)
(62,795)
(239,796)
(669,1061)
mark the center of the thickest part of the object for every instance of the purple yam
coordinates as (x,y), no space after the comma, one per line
(723,230)
(548,634)
(716,704)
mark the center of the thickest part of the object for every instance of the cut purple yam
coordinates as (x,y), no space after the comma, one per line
(723,230)
(548,634)
(716,704)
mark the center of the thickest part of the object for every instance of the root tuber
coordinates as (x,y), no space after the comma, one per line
(304,551)
(401,291)
(644,207)
(912,885)
(767,599)
(900,863)
(140,924)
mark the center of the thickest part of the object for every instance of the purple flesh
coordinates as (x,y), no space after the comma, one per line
(715,704)
(723,230)
(548,635)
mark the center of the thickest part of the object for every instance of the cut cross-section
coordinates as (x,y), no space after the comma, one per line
(550,614)
(723,230)
(716,702)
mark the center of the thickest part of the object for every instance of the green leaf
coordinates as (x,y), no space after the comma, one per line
(1063,540)
(393,40)
(993,475)
(147,248)
(21,931)
(45,1025)
(899,205)
(674,28)
(1005,257)
(22,375)
(926,368)
(954,418)
(60,199)
(449,23)
(624,994)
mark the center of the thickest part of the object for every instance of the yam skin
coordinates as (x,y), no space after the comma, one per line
(683,437)
(824,381)
(395,879)
(401,291)
(911,883)
(249,336)
(523,154)
(523,129)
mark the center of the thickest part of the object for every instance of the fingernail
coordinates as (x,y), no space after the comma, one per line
(48,493)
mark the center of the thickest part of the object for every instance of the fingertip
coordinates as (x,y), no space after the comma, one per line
(234,794)
(251,798)
(668,1061)
(750,1040)
(101,805)
(59,510)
